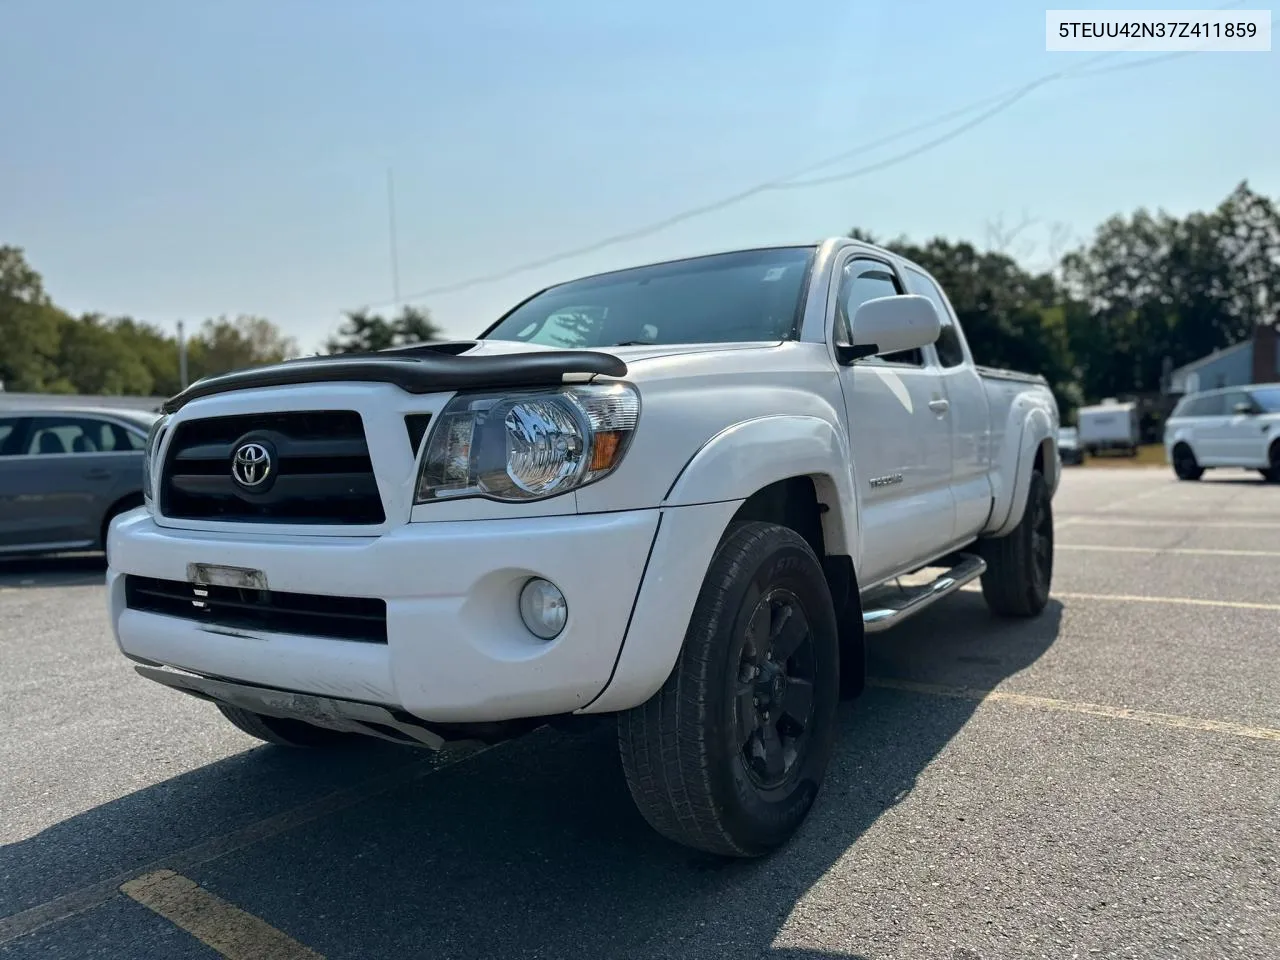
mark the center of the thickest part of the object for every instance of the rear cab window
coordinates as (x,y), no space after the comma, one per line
(949,346)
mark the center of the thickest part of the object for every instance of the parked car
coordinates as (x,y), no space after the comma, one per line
(678,496)
(65,472)
(1110,425)
(1069,446)
(1230,427)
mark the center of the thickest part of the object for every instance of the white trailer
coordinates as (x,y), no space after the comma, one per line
(1110,425)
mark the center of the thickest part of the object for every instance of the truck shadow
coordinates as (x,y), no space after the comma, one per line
(533,849)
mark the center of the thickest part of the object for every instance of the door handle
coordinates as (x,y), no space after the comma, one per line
(98,474)
(939,406)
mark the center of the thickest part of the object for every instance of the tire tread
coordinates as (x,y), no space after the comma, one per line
(1007,586)
(667,762)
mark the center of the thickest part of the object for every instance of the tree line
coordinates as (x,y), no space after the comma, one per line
(46,349)
(1146,293)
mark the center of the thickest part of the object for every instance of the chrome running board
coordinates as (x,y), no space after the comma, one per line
(888,608)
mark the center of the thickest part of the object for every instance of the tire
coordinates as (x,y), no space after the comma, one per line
(1185,464)
(1272,473)
(1020,565)
(695,754)
(284,732)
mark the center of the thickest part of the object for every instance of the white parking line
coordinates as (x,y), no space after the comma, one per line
(1185,551)
(1188,601)
(1178,522)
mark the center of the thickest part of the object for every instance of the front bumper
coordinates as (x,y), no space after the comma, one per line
(456,650)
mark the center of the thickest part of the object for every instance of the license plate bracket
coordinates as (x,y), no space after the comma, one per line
(221,575)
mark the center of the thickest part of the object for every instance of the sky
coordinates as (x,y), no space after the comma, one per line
(177,161)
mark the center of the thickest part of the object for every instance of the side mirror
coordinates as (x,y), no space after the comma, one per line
(890,325)
(1243,409)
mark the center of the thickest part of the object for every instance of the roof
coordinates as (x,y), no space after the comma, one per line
(54,409)
(1216,355)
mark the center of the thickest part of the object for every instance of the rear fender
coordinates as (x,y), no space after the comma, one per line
(1028,429)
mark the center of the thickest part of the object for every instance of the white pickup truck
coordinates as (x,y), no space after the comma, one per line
(673,495)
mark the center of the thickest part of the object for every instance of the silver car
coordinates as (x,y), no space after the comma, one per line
(65,472)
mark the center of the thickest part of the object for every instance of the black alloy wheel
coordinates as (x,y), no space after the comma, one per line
(729,755)
(773,699)
(1041,545)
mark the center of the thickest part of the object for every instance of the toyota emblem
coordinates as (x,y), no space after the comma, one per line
(251,465)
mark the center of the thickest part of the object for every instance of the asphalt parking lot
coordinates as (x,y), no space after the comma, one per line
(1101,782)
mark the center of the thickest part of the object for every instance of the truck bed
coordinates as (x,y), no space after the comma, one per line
(996,373)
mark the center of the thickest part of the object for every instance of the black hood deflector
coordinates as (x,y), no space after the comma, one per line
(426,368)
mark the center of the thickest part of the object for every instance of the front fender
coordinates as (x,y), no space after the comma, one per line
(751,454)
(1029,427)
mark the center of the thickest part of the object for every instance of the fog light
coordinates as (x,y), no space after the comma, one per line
(543,608)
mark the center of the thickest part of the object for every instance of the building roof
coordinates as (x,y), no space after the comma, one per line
(1216,355)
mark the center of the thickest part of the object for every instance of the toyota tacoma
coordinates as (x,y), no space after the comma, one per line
(674,496)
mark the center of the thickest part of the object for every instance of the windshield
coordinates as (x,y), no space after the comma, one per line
(733,297)
(1268,398)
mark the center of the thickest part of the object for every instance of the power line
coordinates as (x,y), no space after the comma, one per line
(996,104)
(914,151)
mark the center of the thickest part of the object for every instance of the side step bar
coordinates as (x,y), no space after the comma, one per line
(889,611)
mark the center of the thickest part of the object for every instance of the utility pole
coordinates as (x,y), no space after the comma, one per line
(391,232)
(182,358)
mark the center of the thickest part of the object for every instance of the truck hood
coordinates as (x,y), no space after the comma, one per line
(630,354)
(450,365)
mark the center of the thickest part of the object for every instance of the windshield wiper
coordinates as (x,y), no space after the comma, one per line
(635,343)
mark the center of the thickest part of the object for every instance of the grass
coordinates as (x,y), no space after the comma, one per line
(1149,455)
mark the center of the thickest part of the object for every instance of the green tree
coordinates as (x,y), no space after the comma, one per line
(156,350)
(29,325)
(1163,291)
(94,359)
(223,345)
(365,332)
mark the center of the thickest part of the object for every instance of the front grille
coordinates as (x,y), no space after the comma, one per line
(320,470)
(341,618)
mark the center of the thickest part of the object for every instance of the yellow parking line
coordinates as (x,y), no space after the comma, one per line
(227,929)
(1183,551)
(1090,709)
(1188,601)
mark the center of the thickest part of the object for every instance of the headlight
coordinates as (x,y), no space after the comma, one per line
(154,436)
(518,447)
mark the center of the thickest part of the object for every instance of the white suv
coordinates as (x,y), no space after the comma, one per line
(1229,427)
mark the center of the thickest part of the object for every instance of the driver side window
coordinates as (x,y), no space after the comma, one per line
(863,280)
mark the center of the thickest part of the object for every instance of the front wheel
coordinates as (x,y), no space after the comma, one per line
(728,757)
(1272,473)
(1185,464)
(1020,565)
